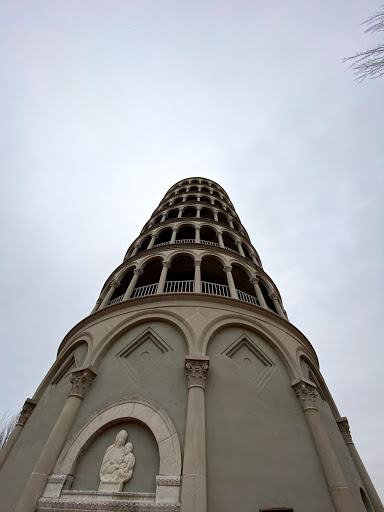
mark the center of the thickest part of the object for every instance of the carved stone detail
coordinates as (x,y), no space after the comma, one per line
(168,480)
(254,280)
(49,504)
(227,269)
(306,393)
(117,465)
(26,411)
(198,263)
(273,296)
(345,430)
(196,372)
(167,264)
(81,381)
(138,271)
(115,284)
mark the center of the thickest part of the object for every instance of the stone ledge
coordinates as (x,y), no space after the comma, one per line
(100,505)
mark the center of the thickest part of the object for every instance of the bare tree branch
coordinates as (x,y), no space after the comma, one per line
(7,423)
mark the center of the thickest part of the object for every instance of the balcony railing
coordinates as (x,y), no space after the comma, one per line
(215,289)
(115,301)
(185,241)
(247,298)
(209,243)
(141,291)
(179,286)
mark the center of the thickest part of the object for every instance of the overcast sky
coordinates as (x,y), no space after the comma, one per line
(106,104)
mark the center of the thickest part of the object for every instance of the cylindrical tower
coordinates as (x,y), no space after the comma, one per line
(186,388)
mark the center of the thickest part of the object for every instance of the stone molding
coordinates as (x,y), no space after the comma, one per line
(168,480)
(196,371)
(345,430)
(53,505)
(81,381)
(26,411)
(306,394)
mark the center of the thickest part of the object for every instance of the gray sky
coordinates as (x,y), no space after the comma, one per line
(105,105)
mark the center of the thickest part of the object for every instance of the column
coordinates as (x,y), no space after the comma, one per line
(136,273)
(197,276)
(163,276)
(194,482)
(216,218)
(115,284)
(276,303)
(231,284)
(26,411)
(81,380)
(184,199)
(368,485)
(212,200)
(180,212)
(97,305)
(152,242)
(135,249)
(163,217)
(173,237)
(240,248)
(220,237)
(259,293)
(254,259)
(230,222)
(197,234)
(338,487)
(198,211)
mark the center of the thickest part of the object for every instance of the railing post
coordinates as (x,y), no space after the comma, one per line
(197,280)
(136,273)
(231,284)
(163,277)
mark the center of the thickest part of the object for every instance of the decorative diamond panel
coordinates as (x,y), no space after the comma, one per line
(143,354)
(251,361)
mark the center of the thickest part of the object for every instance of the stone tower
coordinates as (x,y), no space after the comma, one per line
(186,388)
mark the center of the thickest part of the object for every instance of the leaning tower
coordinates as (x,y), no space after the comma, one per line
(186,388)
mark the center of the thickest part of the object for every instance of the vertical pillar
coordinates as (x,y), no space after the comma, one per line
(97,305)
(152,242)
(254,259)
(197,234)
(231,284)
(184,199)
(163,276)
(173,237)
(194,483)
(197,276)
(368,485)
(26,411)
(212,200)
(240,248)
(198,210)
(230,221)
(135,249)
(180,212)
(215,216)
(81,381)
(259,293)
(220,237)
(109,294)
(164,216)
(277,304)
(136,273)
(338,487)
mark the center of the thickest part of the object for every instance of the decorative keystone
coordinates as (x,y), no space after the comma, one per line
(196,371)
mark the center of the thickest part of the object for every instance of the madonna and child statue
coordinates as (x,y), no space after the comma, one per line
(117,465)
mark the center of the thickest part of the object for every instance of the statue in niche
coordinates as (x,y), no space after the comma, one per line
(117,465)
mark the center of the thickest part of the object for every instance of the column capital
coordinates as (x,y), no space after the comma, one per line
(198,207)
(306,393)
(254,280)
(115,284)
(238,241)
(26,411)
(154,235)
(273,296)
(198,263)
(345,430)
(138,271)
(196,371)
(167,264)
(99,301)
(175,228)
(81,381)
(137,245)
(228,268)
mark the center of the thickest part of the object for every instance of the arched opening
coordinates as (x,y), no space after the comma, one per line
(194,187)
(148,281)
(222,218)
(186,234)
(205,189)
(217,203)
(164,237)
(192,198)
(213,278)
(189,212)
(366,502)
(215,193)
(205,213)
(158,219)
(267,298)
(118,294)
(246,252)
(144,244)
(182,190)
(235,225)
(205,182)
(178,200)
(173,214)
(205,199)
(244,288)
(229,242)
(208,236)
(180,276)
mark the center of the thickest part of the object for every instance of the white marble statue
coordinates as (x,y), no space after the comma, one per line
(118,463)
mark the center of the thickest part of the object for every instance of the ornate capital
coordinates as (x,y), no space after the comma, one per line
(345,430)
(197,263)
(154,235)
(254,280)
(227,269)
(196,371)
(167,264)
(273,296)
(138,271)
(306,393)
(238,242)
(26,411)
(137,245)
(198,207)
(115,284)
(81,381)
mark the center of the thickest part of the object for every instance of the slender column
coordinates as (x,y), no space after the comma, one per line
(220,237)
(231,284)
(26,411)
(212,200)
(215,216)
(163,217)
(198,211)
(135,249)
(259,293)
(240,248)
(173,237)
(368,485)
(338,487)
(180,212)
(254,259)
(109,294)
(197,276)
(163,276)
(197,234)
(277,304)
(136,273)
(81,381)
(152,242)
(230,221)
(194,483)
(184,199)
(97,305)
